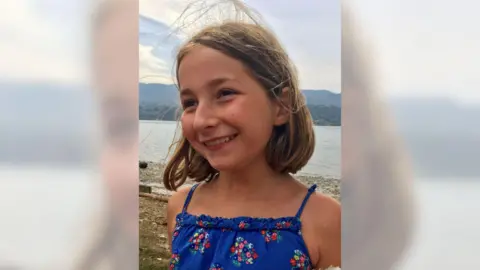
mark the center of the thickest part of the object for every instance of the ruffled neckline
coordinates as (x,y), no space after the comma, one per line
(241,223)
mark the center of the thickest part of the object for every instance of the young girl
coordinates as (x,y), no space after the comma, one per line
(245,130)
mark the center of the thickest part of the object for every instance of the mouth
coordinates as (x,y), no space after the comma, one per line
(219,141)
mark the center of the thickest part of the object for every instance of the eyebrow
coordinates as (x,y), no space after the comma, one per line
(210,84)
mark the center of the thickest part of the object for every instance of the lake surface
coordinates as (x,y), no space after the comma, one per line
(156,137)
(446,232)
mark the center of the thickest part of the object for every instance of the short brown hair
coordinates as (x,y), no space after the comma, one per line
(292,144)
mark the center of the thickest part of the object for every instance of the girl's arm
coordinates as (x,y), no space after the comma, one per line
(329,234)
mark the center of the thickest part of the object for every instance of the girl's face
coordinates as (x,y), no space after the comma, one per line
(228,117)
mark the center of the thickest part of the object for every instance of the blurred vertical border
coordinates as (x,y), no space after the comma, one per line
(376,176)
(69,134)
(115,79)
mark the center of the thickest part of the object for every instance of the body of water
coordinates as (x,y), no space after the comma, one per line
(445,234)
(156,137)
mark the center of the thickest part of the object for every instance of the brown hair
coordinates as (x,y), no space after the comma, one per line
(292,144)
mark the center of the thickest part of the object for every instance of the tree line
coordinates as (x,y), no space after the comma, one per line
(322,115)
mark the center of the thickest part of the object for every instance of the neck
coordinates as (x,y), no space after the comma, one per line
(254,180)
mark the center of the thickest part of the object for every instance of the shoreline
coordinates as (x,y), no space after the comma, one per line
(152,177)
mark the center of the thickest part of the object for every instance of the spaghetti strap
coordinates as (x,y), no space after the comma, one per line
(309,193)
(189,197)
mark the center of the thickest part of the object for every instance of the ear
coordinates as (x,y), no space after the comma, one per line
(282,107)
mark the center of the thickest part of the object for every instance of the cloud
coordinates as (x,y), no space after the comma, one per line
(165,11)
(157,47)
(155,33)
(424,48)
(151,68)
(34,48)
(310,32)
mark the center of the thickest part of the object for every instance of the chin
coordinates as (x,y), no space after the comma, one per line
(223,165)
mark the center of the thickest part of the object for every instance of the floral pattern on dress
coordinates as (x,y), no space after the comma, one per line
(283,225)
(200,241)
(300,261)
(215,266)
(243,225)
(174,261)
(176,232)
(242,252)
(271,236)
(204,223)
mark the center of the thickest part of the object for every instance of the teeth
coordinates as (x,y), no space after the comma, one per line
(219,141)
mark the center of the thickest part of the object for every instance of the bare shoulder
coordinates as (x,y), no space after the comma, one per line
(324,214)
(329,207)
(176,201)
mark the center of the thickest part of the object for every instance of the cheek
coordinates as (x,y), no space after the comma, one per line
(187,128)
(258,131)
(258,117)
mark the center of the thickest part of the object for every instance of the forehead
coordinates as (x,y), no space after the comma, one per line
(202,65)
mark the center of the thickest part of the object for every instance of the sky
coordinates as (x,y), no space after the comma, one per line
(43,40)
(421,48)
(317,57)
(424,48)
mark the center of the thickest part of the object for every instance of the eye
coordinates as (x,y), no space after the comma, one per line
(188,103)
(226,92)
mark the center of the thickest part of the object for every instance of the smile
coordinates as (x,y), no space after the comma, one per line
(219,141)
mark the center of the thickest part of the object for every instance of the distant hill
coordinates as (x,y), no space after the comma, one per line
(441,135)
(166,94)
(47,124)
(160,102)
(158,94)
(323,97)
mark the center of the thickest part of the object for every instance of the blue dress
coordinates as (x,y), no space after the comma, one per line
(210,243)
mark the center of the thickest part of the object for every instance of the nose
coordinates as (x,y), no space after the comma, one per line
(205,117)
